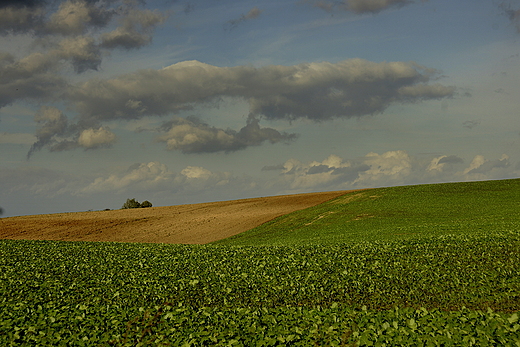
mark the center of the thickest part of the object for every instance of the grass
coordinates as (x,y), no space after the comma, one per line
(396,213)
(426,265)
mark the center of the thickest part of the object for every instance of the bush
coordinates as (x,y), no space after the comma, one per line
(146,203)
(132,203)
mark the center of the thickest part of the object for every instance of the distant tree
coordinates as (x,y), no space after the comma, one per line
(131,203)
(2,211)
(146,203)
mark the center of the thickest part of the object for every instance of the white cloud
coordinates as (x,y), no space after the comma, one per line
(150,176)
(95,138)
(390,167)
(480,168)
(155,177)
(196,172)
(192,136)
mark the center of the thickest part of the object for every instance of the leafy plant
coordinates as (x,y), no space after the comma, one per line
(382,271)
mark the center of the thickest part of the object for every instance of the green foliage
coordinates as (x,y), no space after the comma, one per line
(132,203)
(314,294)
(396,213)
(433,265)
(146,203)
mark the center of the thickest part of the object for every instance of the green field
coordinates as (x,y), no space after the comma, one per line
(397,213)
(427,265)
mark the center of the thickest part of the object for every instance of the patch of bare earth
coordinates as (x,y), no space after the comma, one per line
(187,224)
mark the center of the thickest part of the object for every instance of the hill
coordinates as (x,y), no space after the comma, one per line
(428,265)
(405,212)
(188,224)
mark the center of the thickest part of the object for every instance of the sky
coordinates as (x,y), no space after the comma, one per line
(180,102)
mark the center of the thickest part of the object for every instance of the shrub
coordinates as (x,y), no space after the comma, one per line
(146,203)
(131,203)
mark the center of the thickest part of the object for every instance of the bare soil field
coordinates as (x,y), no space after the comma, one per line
(186,224)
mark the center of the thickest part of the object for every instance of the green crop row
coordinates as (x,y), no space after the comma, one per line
(172,324)
(113,293)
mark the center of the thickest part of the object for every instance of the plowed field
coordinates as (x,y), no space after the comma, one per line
(188,224)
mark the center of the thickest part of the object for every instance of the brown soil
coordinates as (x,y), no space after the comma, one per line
(188,224)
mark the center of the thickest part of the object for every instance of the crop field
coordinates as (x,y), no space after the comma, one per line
(396,213)
(404,276)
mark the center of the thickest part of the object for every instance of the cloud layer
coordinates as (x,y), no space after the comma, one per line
(74,36)
(315,91)
(387,169)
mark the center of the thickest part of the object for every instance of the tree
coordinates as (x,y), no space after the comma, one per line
(131,203)
(146,203)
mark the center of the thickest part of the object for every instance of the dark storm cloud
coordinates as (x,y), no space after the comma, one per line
(193,136)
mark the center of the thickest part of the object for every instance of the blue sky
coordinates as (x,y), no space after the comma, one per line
(192,101)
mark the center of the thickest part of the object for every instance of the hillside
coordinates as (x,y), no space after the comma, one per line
(188,224)
(405,212)
(440,268)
